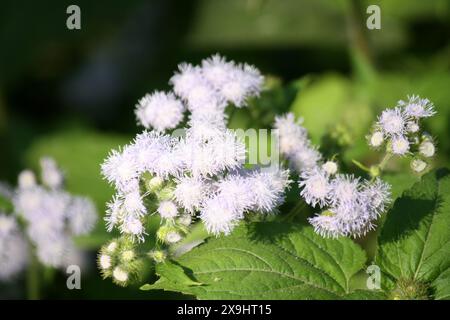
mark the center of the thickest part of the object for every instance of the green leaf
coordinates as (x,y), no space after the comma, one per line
(414,242)
(176,274)
(270,260)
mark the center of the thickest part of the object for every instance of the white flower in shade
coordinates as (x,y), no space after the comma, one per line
(13,248)
(27,179)
(52,176)
(266,188)
(290,133)
(52,251)
(219,216)
(325,225)
(305,158)
(344,190)
(376,139)
(185,219)
(330,167)
(375,195)
(120,275)
(133,226)
(315,186)
(392,121)
(400,145)
(160,111)
(82,215)
(104,261)
(412,126)
(167,210)
(185,79)
(417,107)
(8,225)
(427,148)
(120,168)
(418,165)
(190,192)
(216,70)
(173,237)
(133,203)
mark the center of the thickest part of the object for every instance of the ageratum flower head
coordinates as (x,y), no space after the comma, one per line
(195,173)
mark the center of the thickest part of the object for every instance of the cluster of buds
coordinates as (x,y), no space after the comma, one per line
(399,132)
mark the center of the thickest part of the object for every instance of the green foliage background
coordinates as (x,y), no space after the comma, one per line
(71,94)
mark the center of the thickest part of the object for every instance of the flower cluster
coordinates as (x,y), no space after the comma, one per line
(399,131)
(349,206)
(51,215)
(196,172)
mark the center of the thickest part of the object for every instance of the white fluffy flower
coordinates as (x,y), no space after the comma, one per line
(133,203)
(325,225)
(266,188)
(243,82)
(315,186)
(376,139)
(290,133)
(120,275)
(219,216)
(27,179)
(120,168)
(375,195)
(167,210)
(52,251)
(173,237)
(185,79)
(400,145)
(344,190)
(228,151)
(418,108)
(114,212)
(330,167)
(160,111)
(418,165)
(235,190)
(412,126)
(190,192)
(82,215)
(13,248)
(104,261)
(52,176)
(294,143)
(154,152)
(393,121)
(133,226)
(217,70)
(427,148)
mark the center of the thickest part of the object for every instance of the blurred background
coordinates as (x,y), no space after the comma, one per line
(70,94)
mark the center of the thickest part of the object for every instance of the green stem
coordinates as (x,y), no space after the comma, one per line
(384,161)
(376,170)
(33,283)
